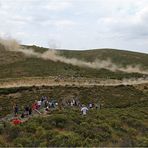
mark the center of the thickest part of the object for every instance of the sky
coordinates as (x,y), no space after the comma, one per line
(77,24)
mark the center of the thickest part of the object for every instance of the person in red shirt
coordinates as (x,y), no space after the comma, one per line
(34,106)
(16,121)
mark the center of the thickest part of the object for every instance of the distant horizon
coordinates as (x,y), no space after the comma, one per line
(128,50)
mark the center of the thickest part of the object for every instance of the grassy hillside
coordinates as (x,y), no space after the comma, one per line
(14,65)
(122,120)
(109,96)
(117,56)
(114,127)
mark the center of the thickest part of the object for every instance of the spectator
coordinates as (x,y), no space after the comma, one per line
(84,110)
(16,110)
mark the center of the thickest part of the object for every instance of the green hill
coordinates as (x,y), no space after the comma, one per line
(122,120)
(14,65)
(117,56)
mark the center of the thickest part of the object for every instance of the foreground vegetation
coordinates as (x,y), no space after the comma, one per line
(106,127)
(122,120)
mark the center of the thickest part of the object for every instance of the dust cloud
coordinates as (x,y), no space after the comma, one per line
(54,55)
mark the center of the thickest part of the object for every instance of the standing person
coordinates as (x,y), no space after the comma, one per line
(46,103)
(75,102)
(16,109)
(53,103)
(27,110)
(39,103)
(50,104)
(90,105)
(71,103)
(84,110)
(79,104)
(42,98)
(30,111)
(22,115)
(34,106)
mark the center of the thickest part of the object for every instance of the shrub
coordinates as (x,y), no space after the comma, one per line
(58,120)
(131,121)
(28,141)
(66,139)
(14,132)
(43,144)
(23,142)
(2,142)
(31,128)
(116,125)
(104,132)
(83,129)
(132,131)
(40,133)
(127,141)
(142,141)
(1,128)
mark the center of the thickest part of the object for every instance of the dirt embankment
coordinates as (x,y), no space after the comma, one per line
(56,81)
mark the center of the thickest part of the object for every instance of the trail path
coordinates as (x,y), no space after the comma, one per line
(55,81)
(35,113)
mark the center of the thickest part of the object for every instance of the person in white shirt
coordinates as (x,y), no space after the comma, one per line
(39,103)
(84,110)
(71,103)
(90,105)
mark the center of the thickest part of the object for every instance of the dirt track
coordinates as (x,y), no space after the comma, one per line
(56,81)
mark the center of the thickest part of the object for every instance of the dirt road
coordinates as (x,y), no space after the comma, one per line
(56,81)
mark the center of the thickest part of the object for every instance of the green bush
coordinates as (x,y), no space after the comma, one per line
(2,142)
(117,125)
(104,132)
(66,139)
(105,127)
(40,133)
(1,128)
(14,132)
(31,128)
(84,130)
(132,121)
(58,120)
(142,141)
(23,142)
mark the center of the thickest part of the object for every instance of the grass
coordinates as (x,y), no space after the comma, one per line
(117,56)
(106,127)
(122,120)
(108,96)
(14,65)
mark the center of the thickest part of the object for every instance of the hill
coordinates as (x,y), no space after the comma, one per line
(122,120)
(14,64)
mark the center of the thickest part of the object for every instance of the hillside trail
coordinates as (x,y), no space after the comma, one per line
(70,81)
(35,113)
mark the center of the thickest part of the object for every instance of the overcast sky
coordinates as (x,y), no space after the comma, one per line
(77,24)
